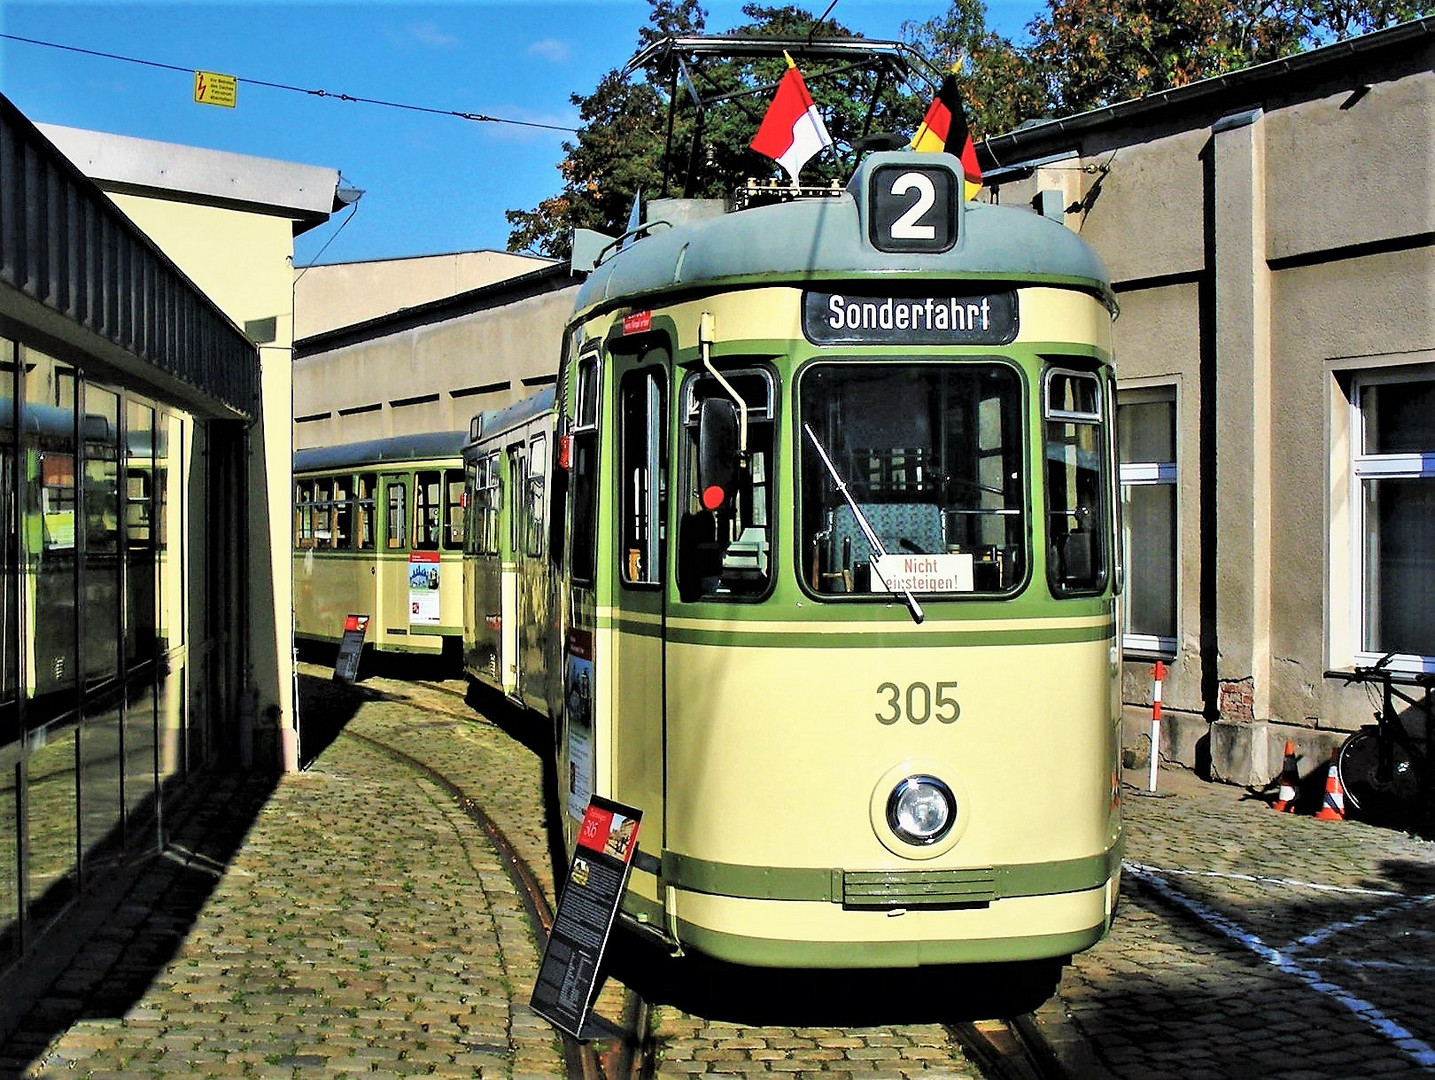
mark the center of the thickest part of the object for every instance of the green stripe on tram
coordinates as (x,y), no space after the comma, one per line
(860,635)
(885,888)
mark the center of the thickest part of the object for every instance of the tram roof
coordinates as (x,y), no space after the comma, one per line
(825,238)
(398,448)
(495,421)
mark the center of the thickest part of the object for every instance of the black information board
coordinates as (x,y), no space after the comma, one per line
(597,878)
(346,665)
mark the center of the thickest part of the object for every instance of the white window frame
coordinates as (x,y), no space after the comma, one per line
(1363,467)
(1151,474)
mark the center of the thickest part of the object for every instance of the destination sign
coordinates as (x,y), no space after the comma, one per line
(969,319)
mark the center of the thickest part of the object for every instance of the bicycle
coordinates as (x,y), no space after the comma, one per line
(1387,773)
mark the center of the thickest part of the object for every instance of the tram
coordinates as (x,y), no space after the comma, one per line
(832,554)
(507,585)
(378,531)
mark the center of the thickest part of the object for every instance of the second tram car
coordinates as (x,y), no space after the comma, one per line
(378,531)
(835,573)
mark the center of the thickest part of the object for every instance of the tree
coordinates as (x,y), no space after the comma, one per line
(1001,86)
(1093,53)
(619,149)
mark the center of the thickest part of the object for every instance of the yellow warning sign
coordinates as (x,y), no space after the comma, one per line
(211,88)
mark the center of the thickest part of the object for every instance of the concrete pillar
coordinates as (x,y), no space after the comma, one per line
(1243,461)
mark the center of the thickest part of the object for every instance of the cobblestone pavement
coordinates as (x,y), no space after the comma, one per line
(364,926)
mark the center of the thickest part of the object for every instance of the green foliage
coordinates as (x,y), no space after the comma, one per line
(619,150)
(1079,55)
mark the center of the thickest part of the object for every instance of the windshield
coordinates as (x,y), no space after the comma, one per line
(932,456)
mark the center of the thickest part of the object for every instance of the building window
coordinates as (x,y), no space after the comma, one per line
(1146,438)
(1394,476)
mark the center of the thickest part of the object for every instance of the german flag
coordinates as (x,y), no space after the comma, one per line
(944,129)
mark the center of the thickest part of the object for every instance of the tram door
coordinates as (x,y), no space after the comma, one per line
(514,486)
(391,587)
(642,401)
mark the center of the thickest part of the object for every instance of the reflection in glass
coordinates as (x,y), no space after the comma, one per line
(10,666)
(50,820)
(169,696)
(100,430)
(101,766)
(140,747)
(51,505)
(1399,565)
(140,621)
(9,856)
(1150,523)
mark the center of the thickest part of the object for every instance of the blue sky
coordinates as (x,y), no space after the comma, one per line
(431,183)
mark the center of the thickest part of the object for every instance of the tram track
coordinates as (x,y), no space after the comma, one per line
(993,1049)
(1007,1049)
(627,1054)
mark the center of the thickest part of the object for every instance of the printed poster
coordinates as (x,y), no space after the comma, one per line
(597,879)
(423,588)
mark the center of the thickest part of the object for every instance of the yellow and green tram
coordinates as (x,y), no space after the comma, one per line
(508,621)
(378,531)
(835,575)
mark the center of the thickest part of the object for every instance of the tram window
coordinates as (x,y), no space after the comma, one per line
(725,552)
(932,455)
(537,494)
(343,512)
(364,507)
(57,501)
(428,510)
(1077,516)
(323,513)
(304,514)
(486,500)
(641,416)
(453,509)
(396,505)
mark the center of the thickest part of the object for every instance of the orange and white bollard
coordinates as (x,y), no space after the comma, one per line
(1159,674)
(1290,781)
(1333,808)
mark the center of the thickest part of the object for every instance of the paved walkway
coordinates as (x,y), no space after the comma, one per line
(351,921)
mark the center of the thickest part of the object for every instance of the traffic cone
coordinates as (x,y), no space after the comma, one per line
(1333,809)
(1290,777)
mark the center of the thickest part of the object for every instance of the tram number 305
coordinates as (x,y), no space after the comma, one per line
(918,703)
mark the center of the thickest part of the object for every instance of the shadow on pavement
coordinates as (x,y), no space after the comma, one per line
(98,960)
(771,997)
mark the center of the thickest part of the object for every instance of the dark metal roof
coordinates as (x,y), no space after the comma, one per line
(74,268)
(497,421)
(423,446)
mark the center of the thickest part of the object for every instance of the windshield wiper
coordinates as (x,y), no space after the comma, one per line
(866,526)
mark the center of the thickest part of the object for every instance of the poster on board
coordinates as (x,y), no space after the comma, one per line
(597,878)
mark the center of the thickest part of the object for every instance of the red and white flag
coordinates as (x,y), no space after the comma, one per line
(793,130)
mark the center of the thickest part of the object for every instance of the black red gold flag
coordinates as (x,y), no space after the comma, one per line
(944,129)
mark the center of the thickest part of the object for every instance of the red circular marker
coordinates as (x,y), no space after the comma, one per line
(713,497)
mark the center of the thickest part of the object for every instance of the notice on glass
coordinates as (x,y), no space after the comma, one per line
(597,878)
(424,569)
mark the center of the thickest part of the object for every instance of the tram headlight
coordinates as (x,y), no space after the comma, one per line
(921,809)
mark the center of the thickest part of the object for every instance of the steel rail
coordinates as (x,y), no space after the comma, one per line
(625,1057)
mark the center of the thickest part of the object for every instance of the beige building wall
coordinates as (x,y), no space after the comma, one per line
(1267,242)
(430,372)
(243,261)
(342,294)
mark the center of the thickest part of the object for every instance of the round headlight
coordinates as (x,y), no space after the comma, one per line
(921,809)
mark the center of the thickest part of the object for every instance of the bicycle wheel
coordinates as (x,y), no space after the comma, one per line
(1377,794)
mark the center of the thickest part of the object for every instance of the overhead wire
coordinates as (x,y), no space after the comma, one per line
(472,116)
